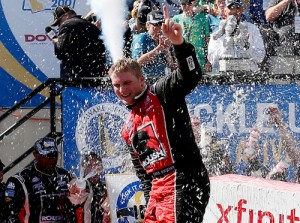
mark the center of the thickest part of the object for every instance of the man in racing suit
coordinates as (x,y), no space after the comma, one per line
(38,193)
(160,137)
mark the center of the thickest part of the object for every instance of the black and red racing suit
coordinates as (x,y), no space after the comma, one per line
(34,197)
(163,148)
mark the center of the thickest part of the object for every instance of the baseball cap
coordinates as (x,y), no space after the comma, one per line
(155,17)
(186,1)
(229,3)
(59,12)
(46,146)
(142,13)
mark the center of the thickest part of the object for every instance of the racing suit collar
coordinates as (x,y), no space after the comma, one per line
(138,98)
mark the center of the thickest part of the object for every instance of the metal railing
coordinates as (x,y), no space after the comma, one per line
(55,87)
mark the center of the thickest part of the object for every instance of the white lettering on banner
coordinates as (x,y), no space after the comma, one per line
(234,117)
(292,118)
(261,214)
(125,196)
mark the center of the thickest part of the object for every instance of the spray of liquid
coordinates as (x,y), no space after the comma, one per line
(81,181)
(112,14)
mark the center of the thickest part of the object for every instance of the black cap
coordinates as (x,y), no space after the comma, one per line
(230,3)
(155,17)
(46,146)
(142,13)
(59,12)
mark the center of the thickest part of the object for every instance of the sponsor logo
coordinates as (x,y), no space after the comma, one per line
(52,218)
(190,62)
(249,215)
(37,39)
(131,205)
(98,129)
(9,193)
(35,6)
(35,179)
(11,185)
(38,186)
(156,156)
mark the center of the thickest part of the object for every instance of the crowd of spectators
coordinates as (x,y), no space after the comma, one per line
(271,36)
(273,33)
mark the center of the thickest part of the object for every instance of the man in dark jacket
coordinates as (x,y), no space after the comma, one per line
(160,137)
(39,192)
(78,45)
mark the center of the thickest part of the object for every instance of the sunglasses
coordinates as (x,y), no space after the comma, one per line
(51,155)
(157,24)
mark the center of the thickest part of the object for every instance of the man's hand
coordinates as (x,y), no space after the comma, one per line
(171,30)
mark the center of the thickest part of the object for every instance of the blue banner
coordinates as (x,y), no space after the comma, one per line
(92,120)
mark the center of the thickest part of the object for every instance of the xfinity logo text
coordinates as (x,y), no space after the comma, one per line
(248,215)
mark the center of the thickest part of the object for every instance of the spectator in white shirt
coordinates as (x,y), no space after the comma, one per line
(256,48)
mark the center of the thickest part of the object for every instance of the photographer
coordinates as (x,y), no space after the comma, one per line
(77,45)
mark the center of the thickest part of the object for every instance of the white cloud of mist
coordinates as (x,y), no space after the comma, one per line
(112,14)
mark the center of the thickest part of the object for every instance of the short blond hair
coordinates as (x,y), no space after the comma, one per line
(126,65)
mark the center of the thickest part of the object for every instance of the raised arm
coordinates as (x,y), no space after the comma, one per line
(275,11)
(172,30)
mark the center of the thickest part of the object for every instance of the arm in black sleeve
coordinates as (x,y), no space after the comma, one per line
(182,82)
(61,48)
(145,178)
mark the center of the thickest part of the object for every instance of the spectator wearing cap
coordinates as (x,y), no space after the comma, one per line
(93,208)
(152,49)
(39,192)
(254,46)
(77,45)
(2,192)
(195,30)
(139,24)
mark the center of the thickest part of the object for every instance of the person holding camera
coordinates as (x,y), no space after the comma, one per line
(78,45)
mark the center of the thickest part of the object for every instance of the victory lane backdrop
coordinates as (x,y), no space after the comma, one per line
(92,120)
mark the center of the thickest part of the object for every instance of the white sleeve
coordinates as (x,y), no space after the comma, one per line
(215,47)
(257,48)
